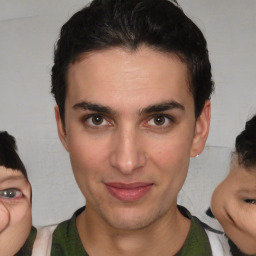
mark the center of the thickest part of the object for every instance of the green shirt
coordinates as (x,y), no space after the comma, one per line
(66,240)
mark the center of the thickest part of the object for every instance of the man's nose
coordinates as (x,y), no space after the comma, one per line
(128,153)
(4,217)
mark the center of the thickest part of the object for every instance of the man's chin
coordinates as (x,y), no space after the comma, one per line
(129,221)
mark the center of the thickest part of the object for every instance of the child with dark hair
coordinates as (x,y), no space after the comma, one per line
(16,232)
(234,200)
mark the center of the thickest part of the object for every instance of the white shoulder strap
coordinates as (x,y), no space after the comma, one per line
(219,244)
(43,242)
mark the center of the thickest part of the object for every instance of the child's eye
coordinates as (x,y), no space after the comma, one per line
(10,193)
(250,201)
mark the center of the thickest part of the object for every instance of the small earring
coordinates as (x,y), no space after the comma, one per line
(197,156)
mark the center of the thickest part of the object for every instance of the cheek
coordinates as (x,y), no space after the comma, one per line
(218,202)
(17,232)
(171,153)
(87,150)
(23,223)
(4,218)
(21,216)
(244,216)
(225,203)
(171,161)
(88,159)
(243,234)
(225,200)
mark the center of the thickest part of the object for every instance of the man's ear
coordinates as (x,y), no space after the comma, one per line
(201,130)
(61,128)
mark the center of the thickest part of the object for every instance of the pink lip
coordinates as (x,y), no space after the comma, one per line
(128,192)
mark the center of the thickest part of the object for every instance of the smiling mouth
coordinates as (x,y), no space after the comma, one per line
(128,192)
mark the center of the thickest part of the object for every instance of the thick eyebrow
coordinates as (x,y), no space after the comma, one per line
(162,107)
(93,107)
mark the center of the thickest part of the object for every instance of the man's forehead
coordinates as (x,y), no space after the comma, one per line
(102,73)
(128,60)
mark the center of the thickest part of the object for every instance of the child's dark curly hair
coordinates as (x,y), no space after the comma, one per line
(246,144)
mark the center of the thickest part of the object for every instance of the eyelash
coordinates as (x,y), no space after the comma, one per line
(250,201)
(85,120)
(18,194)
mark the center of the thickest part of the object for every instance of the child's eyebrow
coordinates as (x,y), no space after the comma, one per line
(248,191)
(12,178)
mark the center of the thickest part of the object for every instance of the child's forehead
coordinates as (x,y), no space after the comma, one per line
(237,167)
(242,178)
(11,174)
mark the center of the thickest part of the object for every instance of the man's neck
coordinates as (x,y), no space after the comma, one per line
(163,237)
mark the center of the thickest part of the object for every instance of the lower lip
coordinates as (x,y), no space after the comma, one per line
(129,195)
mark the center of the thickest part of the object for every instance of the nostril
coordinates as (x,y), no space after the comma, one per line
(4,217)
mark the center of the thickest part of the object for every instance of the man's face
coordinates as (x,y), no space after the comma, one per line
(234,205)
(15,211)
(130,130)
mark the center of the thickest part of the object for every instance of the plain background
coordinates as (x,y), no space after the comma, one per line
(28,31)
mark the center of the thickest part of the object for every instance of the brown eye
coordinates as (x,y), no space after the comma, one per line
(159,120)
(97,120)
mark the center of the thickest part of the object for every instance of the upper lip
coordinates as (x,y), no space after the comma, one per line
(133,185)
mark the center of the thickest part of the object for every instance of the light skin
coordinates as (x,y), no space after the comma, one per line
(15,211)
(130,130)
(234,205)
